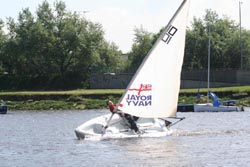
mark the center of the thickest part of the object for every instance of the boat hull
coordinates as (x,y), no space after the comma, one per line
(119,128)
(3,109)
(211,108)
(185,108)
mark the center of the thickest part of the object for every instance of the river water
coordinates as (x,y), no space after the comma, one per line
(47,139)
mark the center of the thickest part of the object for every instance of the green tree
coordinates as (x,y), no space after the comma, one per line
(57,48)
(9,51)
(196,45)
(143,42)
(246,48)
(2,40)
(108,59)
(224,36)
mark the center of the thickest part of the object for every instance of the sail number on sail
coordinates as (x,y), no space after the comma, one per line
(169,34)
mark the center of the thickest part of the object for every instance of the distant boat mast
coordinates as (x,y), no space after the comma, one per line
(208,64)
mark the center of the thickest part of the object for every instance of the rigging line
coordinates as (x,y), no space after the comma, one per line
(180,119)
(172,124)
(108,122)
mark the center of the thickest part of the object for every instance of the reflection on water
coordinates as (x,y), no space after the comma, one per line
(150,151)
(46,138)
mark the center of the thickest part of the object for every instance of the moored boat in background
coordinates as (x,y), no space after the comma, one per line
(3,109)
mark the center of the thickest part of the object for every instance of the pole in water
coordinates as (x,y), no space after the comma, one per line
(208,63)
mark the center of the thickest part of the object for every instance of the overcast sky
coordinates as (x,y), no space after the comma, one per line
(119,18)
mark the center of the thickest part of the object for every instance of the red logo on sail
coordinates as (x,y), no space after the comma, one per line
(143,87)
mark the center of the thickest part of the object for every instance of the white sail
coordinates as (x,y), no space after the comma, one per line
(153,91)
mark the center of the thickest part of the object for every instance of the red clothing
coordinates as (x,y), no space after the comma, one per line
(130,119)
(111,107)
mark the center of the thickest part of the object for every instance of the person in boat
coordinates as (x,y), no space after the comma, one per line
(131,119)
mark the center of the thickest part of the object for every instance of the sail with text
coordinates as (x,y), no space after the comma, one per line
(153,90)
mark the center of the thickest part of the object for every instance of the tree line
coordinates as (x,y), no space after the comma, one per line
(224,35)
(59,49)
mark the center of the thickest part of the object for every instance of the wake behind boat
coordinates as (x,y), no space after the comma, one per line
(152,94)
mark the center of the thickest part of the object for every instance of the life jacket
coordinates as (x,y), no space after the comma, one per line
(112,107)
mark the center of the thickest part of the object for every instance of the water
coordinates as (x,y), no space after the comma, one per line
(47,139)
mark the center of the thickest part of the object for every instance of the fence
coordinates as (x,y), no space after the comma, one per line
(189,79)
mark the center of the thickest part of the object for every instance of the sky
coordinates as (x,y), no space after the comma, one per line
(119,18)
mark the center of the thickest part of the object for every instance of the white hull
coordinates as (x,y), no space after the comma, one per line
(118,128)
(211,108)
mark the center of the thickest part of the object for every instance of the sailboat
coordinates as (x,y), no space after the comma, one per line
(216,106)
(3,109)
(152,94)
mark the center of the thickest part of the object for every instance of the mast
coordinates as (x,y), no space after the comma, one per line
(241,56)
(153,90)
(208,63)
(155,44)
(157,41)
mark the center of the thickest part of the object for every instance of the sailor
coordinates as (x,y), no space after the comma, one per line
(131,119)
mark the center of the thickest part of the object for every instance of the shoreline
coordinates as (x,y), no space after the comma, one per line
(89,102)
(96,99)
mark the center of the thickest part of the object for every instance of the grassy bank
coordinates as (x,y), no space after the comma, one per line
(95,99)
